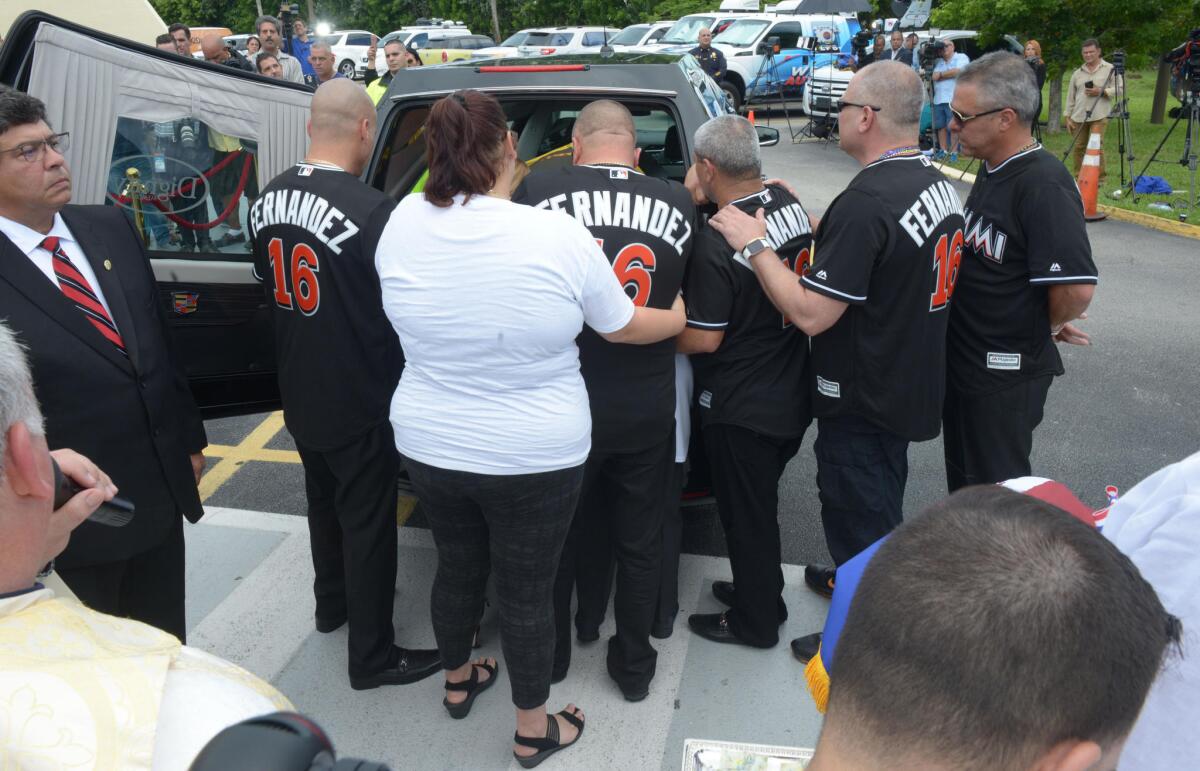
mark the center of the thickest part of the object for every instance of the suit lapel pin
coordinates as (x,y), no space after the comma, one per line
(108,264)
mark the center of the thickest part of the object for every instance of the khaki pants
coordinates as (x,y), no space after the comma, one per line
(1080,148)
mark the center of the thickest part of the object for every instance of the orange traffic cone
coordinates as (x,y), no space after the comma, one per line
(750,117)
(1089,179)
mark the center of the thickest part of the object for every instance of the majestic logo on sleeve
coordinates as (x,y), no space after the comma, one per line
(985,238)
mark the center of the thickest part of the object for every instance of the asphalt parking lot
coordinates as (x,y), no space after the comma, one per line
(1127,406)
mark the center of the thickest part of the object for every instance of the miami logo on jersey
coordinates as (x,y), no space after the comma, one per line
(985,240)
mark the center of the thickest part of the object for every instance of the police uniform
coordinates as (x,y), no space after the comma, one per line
(314,230)
(646,227)
(711,61)
(753,403)
(889,246)
(1024,233)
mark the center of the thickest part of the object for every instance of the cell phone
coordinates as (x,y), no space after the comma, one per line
(115,513)
(1090,84)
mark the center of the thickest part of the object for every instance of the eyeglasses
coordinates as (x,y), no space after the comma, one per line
(32,152)
(843,105)
(964,118)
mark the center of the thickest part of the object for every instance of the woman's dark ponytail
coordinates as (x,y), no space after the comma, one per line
(463,137)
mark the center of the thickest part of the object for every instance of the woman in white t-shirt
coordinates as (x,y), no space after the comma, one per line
(491,414)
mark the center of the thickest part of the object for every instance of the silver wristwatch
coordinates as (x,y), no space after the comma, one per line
(754,247)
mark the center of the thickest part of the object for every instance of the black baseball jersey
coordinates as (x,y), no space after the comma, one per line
(646,227)
(1024,233)
(314,229)
(890,246)
(755,378)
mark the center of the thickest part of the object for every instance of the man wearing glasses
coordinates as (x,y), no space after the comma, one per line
(945,75)
(1026,273)
(77,289)
(876,302)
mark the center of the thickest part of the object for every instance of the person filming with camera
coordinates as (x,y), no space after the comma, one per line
(1089,101)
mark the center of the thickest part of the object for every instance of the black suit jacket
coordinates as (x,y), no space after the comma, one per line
(135,417)
(905,56)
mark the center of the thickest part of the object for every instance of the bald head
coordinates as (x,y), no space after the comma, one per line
(338,108)
(604,133)
(896,89)
(212,46)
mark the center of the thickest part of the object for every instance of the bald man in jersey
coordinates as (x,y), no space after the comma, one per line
(645,227)
(314,231)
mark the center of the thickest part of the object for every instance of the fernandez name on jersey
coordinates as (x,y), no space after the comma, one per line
(645,226)
(314,229)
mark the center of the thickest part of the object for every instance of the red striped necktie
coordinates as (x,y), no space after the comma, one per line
(79,291)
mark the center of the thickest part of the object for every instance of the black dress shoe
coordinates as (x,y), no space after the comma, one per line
(724,592)
(820,579)
(589,635)
(715,627)
(410,666)
(805,648)
(331,624)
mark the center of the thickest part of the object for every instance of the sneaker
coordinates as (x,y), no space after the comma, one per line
(939,155)
(952,158)
(820,579)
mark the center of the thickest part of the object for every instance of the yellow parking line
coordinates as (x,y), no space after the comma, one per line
(253,448)
(253,445)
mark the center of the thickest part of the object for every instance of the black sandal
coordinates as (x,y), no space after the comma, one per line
(473,688)
(550,744)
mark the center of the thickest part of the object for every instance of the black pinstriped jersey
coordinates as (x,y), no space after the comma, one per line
(1024,233)
(755,378)
(889,246)
(314,229)
(646,227)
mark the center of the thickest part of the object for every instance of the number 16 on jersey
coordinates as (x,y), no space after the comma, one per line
(298,287)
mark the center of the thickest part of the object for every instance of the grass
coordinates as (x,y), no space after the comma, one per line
(1144,138)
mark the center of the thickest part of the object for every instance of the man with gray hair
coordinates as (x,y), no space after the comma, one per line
(267,27)
(876,302)
(321,58)
(749,374)
(1026,274)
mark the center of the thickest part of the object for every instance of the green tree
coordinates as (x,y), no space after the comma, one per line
(237,15)
(1143,28)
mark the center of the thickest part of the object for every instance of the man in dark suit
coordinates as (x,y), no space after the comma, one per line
(76,287)
(901,52)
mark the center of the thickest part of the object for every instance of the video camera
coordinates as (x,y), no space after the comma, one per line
(287,14)
(1186,70)
(861,41)
(769,46)
(931,52)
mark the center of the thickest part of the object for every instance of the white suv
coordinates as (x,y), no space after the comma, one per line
(566,40)
(349,50)
(637,35)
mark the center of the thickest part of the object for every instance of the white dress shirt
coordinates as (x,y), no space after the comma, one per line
(29,241)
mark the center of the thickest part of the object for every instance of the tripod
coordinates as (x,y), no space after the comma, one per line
(1192,96)
(1125,136)
(829,122)
(767,68)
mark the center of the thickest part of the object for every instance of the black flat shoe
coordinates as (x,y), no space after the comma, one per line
(820,579)
(472,686)
(587,635)
(724,592)
(806,647)
(715,627)
(550,744)
(410,666)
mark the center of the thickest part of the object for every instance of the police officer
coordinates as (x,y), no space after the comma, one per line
(1027,273)
(749,378)
(876,301)
(314,231)
(711,60)
(645,227)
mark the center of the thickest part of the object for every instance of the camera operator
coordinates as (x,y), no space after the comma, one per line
(876,53)
(1089,101)
(268,28)
(945,74)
